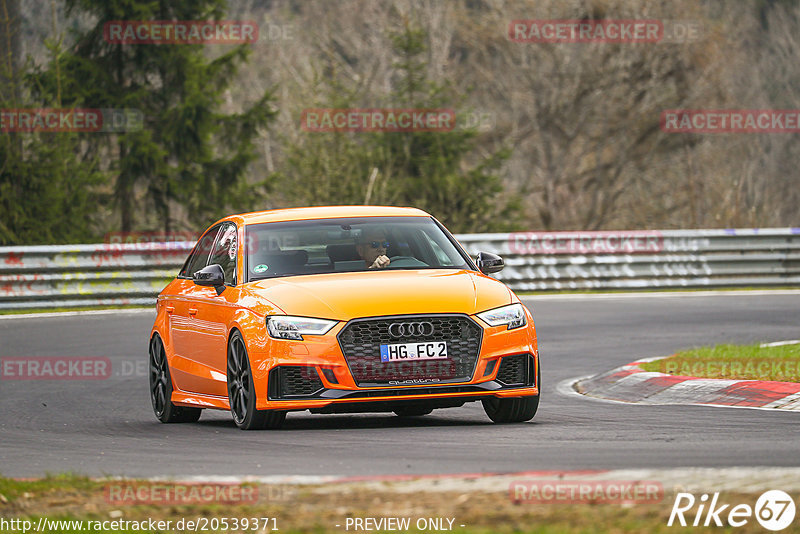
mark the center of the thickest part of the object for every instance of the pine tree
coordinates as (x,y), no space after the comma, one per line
(188,153)
(430,167)
(429,170)
(46,179)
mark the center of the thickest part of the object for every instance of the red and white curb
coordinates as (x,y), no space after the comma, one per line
(632,384)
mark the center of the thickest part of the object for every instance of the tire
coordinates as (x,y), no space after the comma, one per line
(161,388)
(514,410)
(241,391)
(412,411)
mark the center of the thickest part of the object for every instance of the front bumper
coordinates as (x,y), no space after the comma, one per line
(444,397)
(317,369)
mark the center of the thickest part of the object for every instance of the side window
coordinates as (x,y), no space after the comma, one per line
(224,252)
(199,256)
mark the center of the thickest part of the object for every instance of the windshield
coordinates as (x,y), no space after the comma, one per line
(347,245)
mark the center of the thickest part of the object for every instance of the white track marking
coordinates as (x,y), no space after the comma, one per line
(51,315)
(780,343)
(664,294)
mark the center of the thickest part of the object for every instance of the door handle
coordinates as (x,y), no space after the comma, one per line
(170,309)
(192,311)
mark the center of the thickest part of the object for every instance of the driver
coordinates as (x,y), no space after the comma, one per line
(372,247)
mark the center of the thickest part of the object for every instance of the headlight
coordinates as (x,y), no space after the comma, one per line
(512,315)
(288,327)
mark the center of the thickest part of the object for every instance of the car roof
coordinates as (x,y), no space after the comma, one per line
(325,212)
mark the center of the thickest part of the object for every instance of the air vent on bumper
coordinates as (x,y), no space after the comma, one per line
(293,381)
(517,370)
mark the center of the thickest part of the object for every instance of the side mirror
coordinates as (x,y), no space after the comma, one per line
(489,263)
(210,275)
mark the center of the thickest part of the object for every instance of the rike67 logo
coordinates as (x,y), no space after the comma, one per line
(774,510)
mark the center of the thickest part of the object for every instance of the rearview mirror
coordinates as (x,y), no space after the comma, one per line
(489,263)
(211,276)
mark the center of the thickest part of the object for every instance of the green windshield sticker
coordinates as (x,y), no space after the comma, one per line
(260,268)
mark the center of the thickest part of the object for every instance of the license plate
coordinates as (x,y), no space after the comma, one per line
(401,352)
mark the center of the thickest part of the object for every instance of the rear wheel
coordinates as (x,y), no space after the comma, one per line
(516,410)
(241,391)
(412,411)
(161,388)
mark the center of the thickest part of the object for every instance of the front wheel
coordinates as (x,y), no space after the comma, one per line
(161,388)
(511,410)
(516,410)
(241,391)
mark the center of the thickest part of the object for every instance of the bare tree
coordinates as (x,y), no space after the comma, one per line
(10,28)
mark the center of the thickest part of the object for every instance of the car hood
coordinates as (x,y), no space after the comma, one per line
(344,296)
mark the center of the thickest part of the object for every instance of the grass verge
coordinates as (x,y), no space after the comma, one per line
(325,508)
(734,362)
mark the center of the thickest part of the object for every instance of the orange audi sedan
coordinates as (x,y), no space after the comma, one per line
(339,310)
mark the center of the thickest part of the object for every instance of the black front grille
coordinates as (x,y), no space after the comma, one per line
(294,381)
(516,370)
(361,339)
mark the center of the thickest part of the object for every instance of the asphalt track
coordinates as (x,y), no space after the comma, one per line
(106,427)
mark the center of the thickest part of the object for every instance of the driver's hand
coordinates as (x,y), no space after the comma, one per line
(381,262)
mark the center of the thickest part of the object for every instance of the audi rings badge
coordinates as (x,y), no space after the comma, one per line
(416,329)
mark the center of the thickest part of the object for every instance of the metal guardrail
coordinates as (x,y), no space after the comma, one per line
(124,274)
(87,275)
(542,261)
